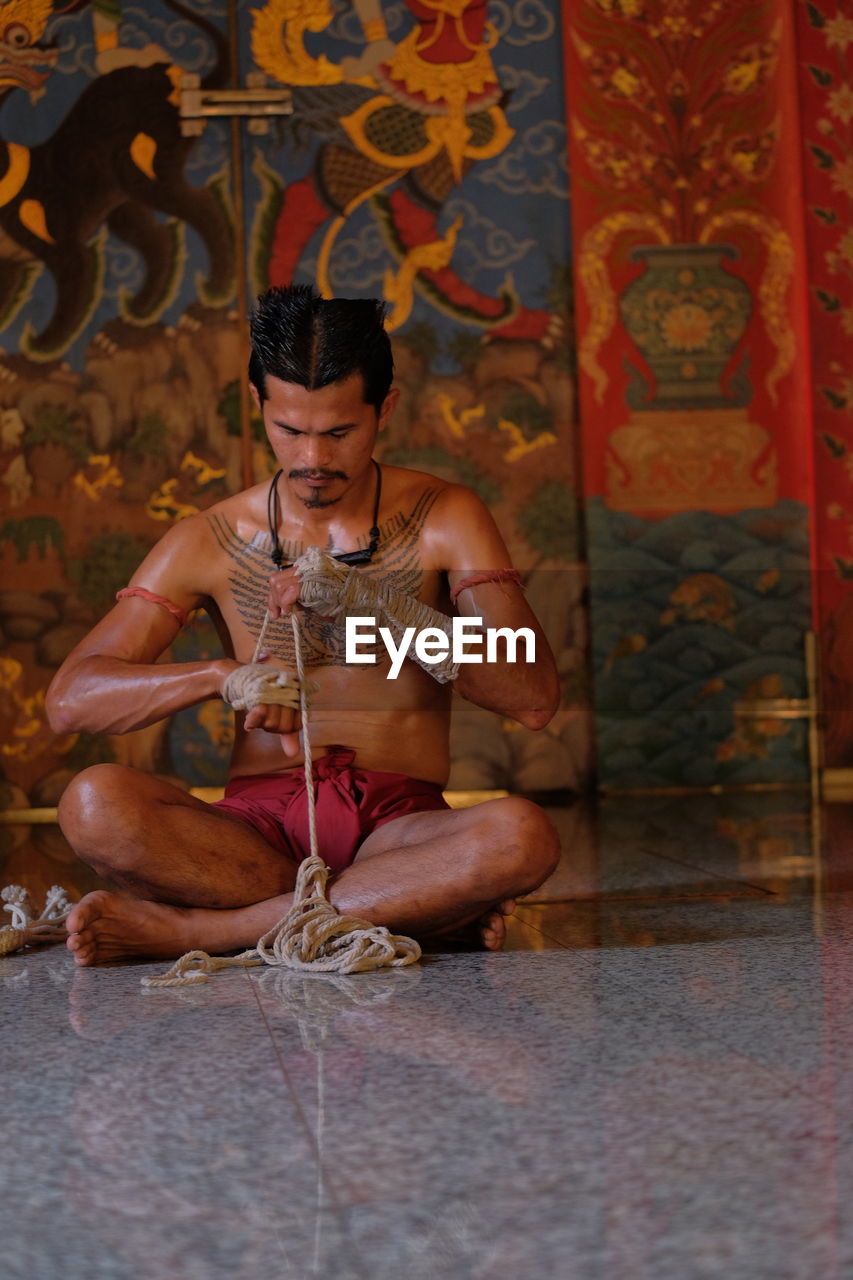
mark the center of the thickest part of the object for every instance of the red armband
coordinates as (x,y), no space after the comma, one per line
(489,575)
(176,611)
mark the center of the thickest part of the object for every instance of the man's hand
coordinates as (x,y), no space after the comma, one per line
(284,593)
(272,717)
(283,596)
(277,719)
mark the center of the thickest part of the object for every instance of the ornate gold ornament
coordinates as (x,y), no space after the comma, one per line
(278,42)
(595,281)
(775,283)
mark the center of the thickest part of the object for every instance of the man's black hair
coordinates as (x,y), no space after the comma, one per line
(299,337)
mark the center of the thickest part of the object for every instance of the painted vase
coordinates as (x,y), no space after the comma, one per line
(686,313)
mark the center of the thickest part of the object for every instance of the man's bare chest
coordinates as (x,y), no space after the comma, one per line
(244,567)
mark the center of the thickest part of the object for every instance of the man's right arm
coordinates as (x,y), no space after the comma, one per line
(112,682)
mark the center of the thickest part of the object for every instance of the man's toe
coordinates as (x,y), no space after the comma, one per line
(493,931)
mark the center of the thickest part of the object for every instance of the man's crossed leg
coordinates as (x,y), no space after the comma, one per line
(193,878)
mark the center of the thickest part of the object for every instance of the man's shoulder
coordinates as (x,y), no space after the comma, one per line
(249,502)
(451,522)
(409,488)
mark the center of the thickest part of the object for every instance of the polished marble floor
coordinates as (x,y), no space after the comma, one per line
(650,1083)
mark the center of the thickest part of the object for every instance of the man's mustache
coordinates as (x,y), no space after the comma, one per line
(317,475)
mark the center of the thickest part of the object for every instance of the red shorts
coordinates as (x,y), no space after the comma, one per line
(349,804)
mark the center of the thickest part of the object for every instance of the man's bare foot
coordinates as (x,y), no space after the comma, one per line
(493,924)
(486,933)
(104,926)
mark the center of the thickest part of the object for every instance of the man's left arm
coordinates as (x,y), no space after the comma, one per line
(464,540)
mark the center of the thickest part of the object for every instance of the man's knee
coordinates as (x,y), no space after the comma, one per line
(520,843)
(94,801)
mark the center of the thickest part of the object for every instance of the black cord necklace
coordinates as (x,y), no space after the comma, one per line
(364,556)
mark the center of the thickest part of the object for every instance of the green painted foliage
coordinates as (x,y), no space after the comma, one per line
(465,348)
(229,409)
(422,340)
(110,560)
(549,523)
(54,424)
(150,436)
(529,414)
(39,532)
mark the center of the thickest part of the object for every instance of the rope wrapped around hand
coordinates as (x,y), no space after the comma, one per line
(256,683)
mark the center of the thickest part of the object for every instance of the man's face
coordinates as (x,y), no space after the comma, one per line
(323,440)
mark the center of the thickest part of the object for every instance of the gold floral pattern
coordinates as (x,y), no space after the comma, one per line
(686,327)
(839,32)
(830,85)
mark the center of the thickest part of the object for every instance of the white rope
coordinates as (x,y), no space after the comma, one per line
(255,683)
(26,926)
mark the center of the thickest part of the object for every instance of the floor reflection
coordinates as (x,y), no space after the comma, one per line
(652,1082)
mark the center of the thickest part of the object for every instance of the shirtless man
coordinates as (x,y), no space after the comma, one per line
(216,876)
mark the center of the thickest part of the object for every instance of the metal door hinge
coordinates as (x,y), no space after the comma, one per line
(256,102)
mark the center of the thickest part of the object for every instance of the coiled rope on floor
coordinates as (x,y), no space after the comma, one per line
(28,926)
(312,937)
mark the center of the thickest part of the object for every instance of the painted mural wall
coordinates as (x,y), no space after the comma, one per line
(825,38)
(425,161)
(694,384)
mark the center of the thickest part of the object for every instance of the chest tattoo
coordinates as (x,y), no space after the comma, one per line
(397,564)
